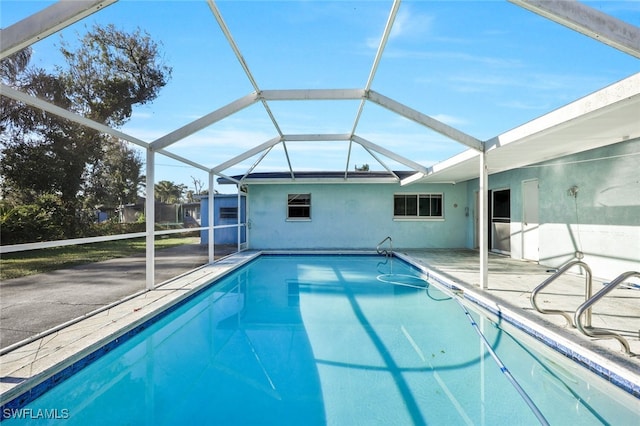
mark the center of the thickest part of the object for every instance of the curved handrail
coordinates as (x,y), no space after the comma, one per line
(603,332)
(552,278)
(384,251)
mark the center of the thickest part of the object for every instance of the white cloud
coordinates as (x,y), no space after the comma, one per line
(550,82)
(409,24)
(140,115)
(524,105)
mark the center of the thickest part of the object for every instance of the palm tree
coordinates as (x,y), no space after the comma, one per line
(169,192)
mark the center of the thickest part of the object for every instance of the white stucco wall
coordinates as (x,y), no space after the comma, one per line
(603,221)
(352,216)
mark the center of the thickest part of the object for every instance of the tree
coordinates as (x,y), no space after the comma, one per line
(169,192)
(43,154)
(11,68)
(198,185)
(111,72)
(114,179)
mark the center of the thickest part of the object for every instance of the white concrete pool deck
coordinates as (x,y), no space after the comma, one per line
(510,284)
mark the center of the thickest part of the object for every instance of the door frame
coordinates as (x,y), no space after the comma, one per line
(530,234)
(491,220)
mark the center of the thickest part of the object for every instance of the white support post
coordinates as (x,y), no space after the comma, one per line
(150,218)
(239,211)
(483,222)
(210,216)
(246,219)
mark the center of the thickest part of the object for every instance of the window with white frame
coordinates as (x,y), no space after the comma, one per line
(418,206)
(299,206)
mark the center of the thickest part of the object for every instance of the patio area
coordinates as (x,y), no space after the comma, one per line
(511,283)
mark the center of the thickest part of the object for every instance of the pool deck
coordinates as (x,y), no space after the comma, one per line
(510,283)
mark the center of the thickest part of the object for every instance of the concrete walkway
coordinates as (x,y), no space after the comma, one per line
(33,304)
(511,282)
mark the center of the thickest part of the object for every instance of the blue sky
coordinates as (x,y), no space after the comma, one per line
(483,67)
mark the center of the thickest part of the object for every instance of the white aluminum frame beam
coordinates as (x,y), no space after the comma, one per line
(243,63)
(376,61)
(63,113)
(76,118)
(274,141)
(311,94)
(229,178)
(425,120)
(183,160)
(383,151)
(382,163)
(317,137)
(255,164)
(225,30)
(205,121)
(46,22)
(383,43)
(588,21)
(248,154)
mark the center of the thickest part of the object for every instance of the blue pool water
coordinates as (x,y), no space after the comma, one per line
(339,340)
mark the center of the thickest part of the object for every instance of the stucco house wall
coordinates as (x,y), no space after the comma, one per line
(602,221)
(352,216)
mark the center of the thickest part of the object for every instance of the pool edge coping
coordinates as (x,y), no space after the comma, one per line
(57,361)
(619,375)
(189,284)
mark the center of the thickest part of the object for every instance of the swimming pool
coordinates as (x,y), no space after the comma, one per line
(328,340)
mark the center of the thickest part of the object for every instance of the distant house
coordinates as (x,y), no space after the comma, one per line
(129,213)
(225,214)
(185,215)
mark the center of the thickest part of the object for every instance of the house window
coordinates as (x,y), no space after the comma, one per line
(228,212)
(299,206)
(428,206)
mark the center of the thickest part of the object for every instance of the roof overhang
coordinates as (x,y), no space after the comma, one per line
(606,117)
(316,177)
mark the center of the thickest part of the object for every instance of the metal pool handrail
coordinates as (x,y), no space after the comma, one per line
(385,251)
(586,306)
(552,278)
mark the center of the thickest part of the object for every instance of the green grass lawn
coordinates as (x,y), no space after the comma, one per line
(14,265)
